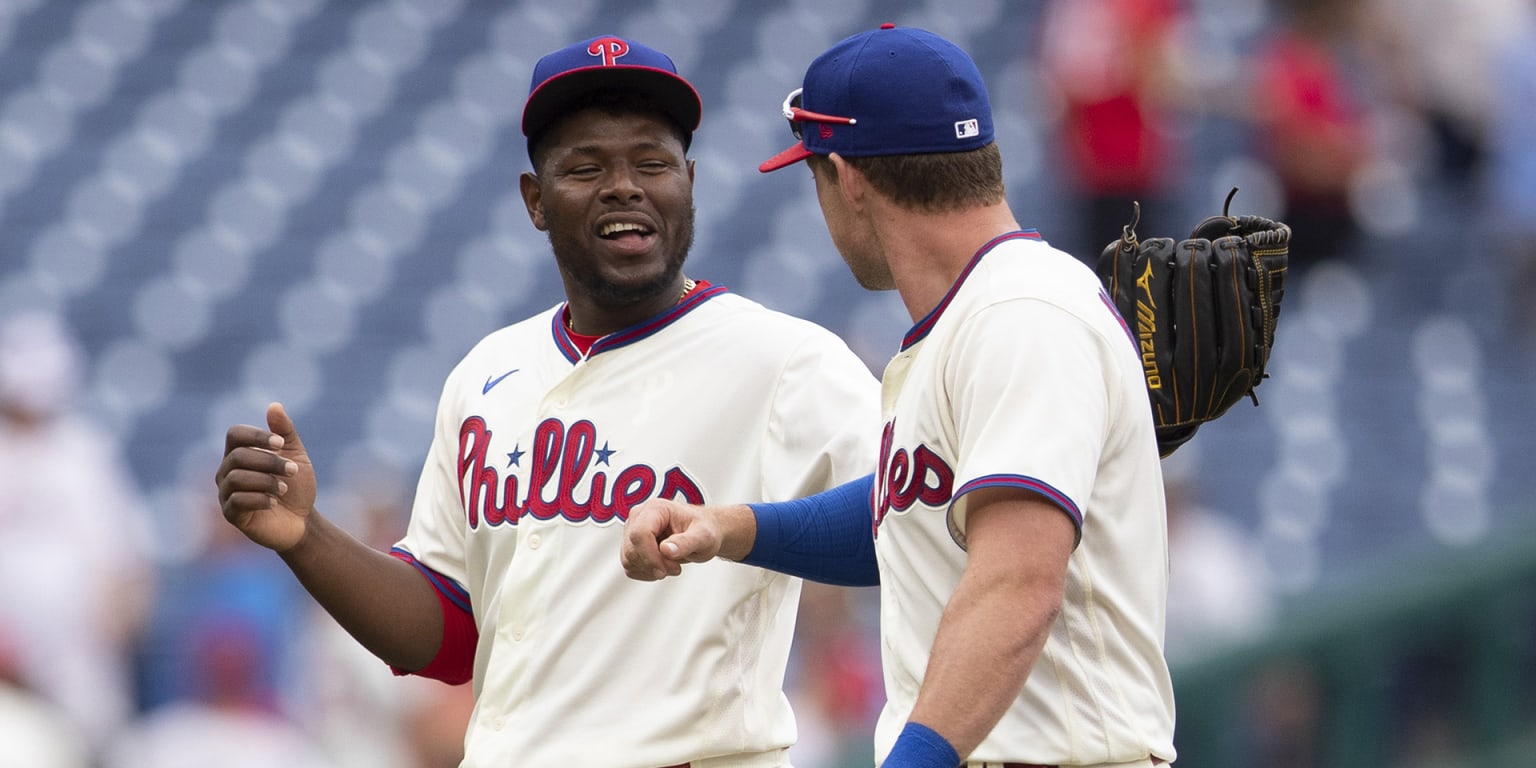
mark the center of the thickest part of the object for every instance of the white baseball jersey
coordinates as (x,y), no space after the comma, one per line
(1023,376)
(538,455)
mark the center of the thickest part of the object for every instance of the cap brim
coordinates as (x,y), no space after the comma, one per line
(789,156)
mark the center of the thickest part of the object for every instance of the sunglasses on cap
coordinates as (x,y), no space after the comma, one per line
(796,116)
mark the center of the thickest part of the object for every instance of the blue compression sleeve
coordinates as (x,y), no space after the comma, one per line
(919,746)
(825,538)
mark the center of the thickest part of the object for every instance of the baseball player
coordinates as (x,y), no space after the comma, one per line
(1017,507)
(642,384)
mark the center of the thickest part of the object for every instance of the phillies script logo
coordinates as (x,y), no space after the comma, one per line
(905,478)
(560,459)
(611,49)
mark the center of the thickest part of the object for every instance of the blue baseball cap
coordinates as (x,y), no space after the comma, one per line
(889,91)
(608,61)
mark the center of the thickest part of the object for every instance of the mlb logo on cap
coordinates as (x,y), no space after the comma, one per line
(889,91)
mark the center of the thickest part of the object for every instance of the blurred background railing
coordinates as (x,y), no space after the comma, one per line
(1427,665)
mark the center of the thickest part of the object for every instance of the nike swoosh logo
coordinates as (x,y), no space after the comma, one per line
(490,382)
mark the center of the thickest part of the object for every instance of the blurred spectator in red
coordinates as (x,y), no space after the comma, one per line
(834,681)
(76,582)
(217,665)
(1312,122)
(1111,63)
(228,720)
(221,583)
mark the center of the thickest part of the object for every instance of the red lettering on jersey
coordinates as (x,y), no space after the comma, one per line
(678,485)
(904,478)
(478,491)
(544,458)
(611,49)
(633,486)
(579,447)
(930,463)
(561,457)
(880,498)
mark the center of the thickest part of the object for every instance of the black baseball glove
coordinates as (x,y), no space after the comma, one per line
(1203,312)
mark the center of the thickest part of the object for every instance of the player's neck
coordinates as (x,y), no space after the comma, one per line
(928,251)
(586,320)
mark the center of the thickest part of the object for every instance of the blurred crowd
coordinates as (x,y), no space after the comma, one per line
(116,654)
(1345,105)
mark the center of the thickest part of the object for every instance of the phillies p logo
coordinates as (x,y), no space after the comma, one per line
(609,48)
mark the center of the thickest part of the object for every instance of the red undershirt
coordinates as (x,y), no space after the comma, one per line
(583,342)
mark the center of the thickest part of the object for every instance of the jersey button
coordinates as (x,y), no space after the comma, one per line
(534,541)
(517,635)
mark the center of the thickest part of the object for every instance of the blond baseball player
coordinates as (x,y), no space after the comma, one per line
(1016,505)
(643,384)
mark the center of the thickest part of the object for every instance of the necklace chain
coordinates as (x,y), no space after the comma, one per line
(688,285)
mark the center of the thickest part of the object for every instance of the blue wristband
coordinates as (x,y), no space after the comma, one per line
(919,746)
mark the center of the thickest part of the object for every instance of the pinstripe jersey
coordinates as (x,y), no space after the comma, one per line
(538,455)
(1023,376)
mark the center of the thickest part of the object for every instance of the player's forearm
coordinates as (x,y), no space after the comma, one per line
(737,528)
(989,637)
(380,600)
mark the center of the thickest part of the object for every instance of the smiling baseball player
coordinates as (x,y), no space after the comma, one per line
(642,384)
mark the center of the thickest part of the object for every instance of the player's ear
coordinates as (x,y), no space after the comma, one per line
(533,198)
(850,183)
(690,170)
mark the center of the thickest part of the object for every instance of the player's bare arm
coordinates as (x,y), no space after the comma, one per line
(660,535)
(997,621)
(267,490)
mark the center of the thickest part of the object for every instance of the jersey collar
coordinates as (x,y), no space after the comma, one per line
(634,333)
(923,326)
